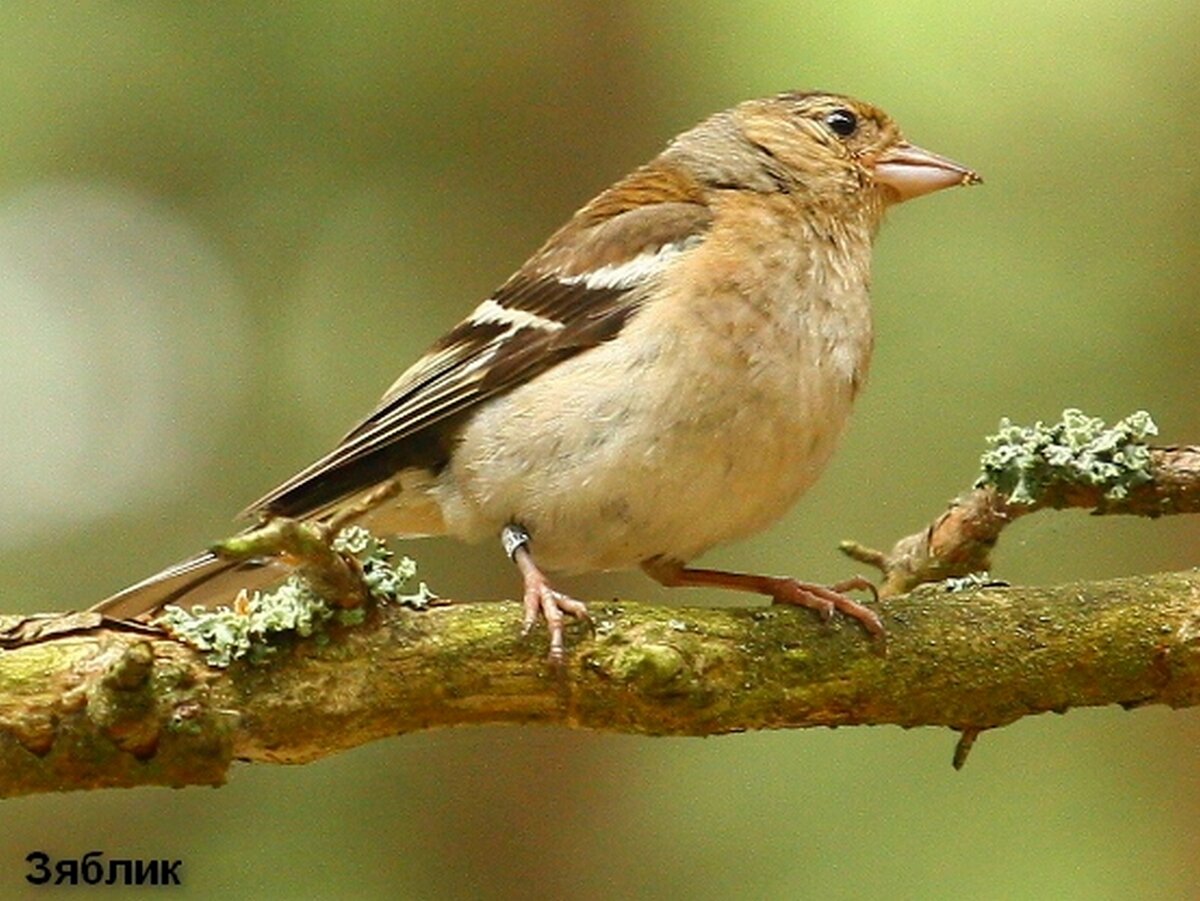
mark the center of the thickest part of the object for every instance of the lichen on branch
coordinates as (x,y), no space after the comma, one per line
(246,627)
(1077,462)
(1024,462)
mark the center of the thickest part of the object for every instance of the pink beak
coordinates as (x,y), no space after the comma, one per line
(910,172)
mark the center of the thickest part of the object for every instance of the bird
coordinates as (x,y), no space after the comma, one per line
(670,371)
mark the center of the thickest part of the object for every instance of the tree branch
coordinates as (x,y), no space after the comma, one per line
(114,706)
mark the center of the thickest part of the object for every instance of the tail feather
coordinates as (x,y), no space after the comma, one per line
(204,579)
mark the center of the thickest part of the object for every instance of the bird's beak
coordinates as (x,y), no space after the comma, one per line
(910,172)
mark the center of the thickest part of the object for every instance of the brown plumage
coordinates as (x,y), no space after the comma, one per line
(669,371)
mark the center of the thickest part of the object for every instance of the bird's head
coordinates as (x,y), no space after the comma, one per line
(828,150)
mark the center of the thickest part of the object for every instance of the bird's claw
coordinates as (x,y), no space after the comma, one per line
(541,600)
(825,599)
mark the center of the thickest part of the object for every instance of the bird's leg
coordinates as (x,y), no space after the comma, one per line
(540,598)
(782,590)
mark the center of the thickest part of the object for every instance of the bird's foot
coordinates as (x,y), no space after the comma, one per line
(825,599)
(541,600)
(544,601)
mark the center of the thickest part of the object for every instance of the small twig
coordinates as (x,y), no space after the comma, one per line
(306,545)
(966,741)
(961,540)
(1077,463)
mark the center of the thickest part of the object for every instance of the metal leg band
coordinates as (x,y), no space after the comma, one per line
(513,537)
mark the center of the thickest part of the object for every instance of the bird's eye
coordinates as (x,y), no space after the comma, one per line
(842,122)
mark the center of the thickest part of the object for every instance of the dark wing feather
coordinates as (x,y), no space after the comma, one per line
(547,312)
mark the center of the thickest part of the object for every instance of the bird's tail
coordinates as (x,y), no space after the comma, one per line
(204,579)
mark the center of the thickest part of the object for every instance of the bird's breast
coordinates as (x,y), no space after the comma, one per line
(718,404)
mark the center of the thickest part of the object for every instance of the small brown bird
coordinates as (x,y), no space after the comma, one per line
(670,371)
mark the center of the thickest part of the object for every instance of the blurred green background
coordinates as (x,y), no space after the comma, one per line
(223,232)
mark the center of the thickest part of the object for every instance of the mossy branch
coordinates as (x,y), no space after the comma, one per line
(120,707)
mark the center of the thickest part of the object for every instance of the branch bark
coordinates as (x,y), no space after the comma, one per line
(110,706)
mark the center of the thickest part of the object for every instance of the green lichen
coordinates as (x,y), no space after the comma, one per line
(246,629)
(384,576)
(1024,461)
(970,582)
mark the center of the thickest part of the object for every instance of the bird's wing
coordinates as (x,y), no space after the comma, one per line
(576,292)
